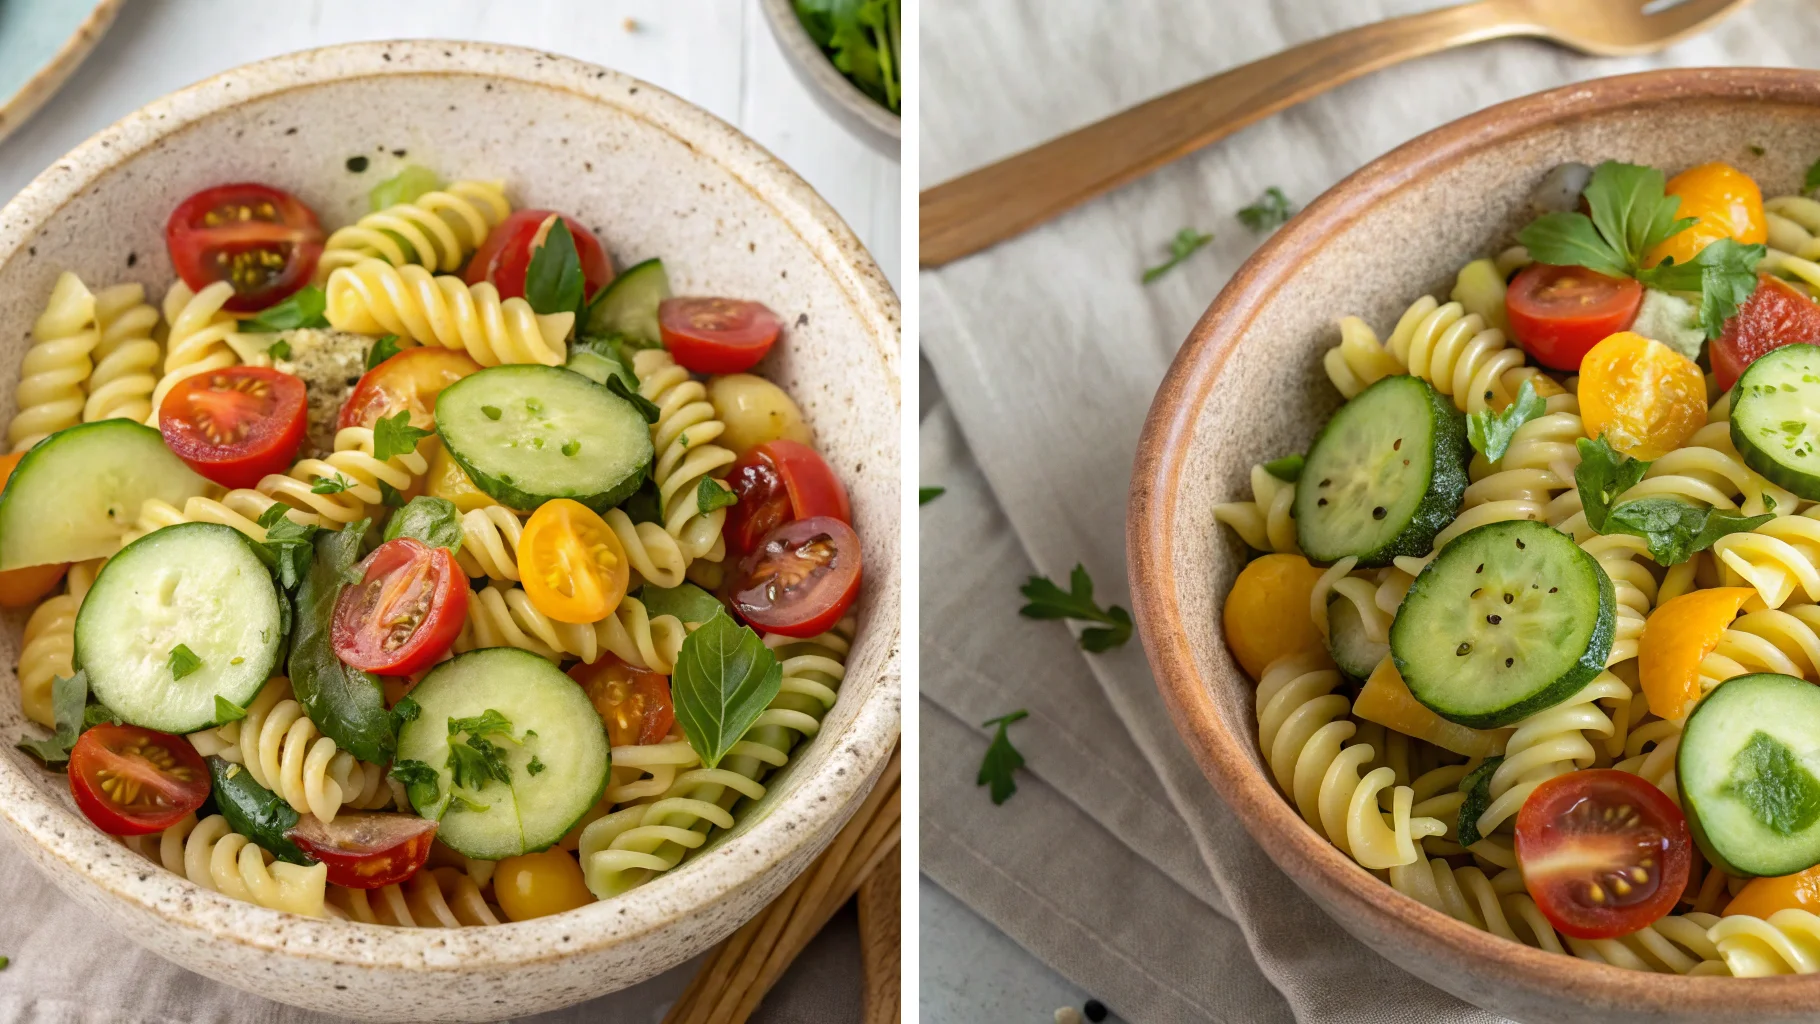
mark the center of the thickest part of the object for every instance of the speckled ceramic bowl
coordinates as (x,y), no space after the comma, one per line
(652,175)
(1248,385)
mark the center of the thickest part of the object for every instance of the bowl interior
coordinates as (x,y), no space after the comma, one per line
(1249,386)
(651,176)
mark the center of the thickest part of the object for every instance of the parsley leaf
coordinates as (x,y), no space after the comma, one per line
(1287,469)
(330,485)
(1001,758)
(394,436)
(1673,528)
(1048,601)
(407,709)
(1724,273)
(925,495)
(863,41)
(227,711)
(69,700)
(1491,432)
(554,284)
(389,496)
(724,679)
(288,547)
(305,308)
(183,661)
(1477,787)
(1182,246)
(1631,209)
(280,349)
(711,494)
(434,521)
(1271,210)
(382,350)
(479,760)
(423,784)
(1602,475)
(1570,239)
(536,765)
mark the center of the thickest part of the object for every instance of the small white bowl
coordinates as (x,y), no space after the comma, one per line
(845,102)
(653,176)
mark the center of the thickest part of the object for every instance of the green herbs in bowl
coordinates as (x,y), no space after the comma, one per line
(862,40)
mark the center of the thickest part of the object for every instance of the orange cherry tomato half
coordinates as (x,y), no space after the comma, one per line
(22,587)
(262,240)
(133,782)
(235,425)
(1643,397)
(1679,633)
(801,578)
(572,563)
(1559,313)
(366,851)
(1603,852)
(633,703)
(1762,897)
(408,381)
(1725,203)
(505,257)
(707,335)
(404,613)
(1775,315)
(776,483)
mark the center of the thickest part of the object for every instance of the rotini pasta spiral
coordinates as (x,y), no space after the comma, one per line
(51,378)
(286,753)
(214,856)
(437,230)
(1788,942)
(1302,724)
(489,543)
(1265,522)
(1778,559)
(638,639)
(1555,741)
(433,898)
(648,770)
(48,645)
(684,437)
(202,337)
(1441,343)
(126,359)
(503,616)
(628,846)
(1785,640)
(653,553)
(374,297)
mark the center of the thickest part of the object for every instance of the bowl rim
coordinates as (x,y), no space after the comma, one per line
(813,813)
(37,90)
(1223,753)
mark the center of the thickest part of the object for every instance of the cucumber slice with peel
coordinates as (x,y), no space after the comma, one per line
(1775,418)
(1749,773)
(629,304)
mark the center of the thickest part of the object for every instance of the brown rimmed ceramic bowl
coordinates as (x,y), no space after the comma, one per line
(653,176)
(1248,386)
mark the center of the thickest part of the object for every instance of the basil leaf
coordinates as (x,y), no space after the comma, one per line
(382,350)
(227,711)
(395,436)
(1491,432)
(305,308)
(1632,210)
(435,521)
(1602,475)
(724,679)
(1287,469)
(407,186)
(183,661)
(288,546)
(1676,529)
(689,603)
(1477,787)
(1570,239)
(255,811)
(553,284)
(69,699)
(348,705)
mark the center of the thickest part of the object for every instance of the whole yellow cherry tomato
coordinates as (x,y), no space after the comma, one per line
(540,884)
(1267,612)
(1679,633)
(573,565)
(1727,204)
(1644,397)
(1762,897)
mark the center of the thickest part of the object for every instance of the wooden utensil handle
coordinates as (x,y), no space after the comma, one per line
(996,202)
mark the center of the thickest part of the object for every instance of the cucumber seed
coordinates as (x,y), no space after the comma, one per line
(1398,446)
(1463,650)
(1379,512)
(1494,619)
(1509,662)
(1508,598)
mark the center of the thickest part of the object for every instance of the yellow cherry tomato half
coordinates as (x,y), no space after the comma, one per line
(1726,203)
(1762,897)
(1644,397)
(540,884)
(1680,632)
(448,480)
(1267,613)
(573,566)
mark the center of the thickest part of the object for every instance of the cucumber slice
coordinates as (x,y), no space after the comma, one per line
(1776,418)
(1356,654)
(629,305)
(196,584)
(75,495)
(551,720)
(601,358)
(527,434)
(1749,771)
(1509,619)
(1385,475)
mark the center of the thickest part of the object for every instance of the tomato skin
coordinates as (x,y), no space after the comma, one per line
(634,704)
(366,851)
(22,587)
(801,579)
(1593,872)
(1559,313)
(505,257)
(1775,315)
(540,884)
(1269,611)
(1725,203)
(164,776)
(573,567)
(778,482)
(409,583)
(240,233)
(235,425)
(1762,897)
(410,380)
(1643,397)
(712,335)
(1679,633)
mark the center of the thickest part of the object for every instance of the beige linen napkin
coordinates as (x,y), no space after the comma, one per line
(1115,863)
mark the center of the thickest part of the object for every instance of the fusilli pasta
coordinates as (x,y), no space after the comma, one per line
(432,898)
(202,337)
(49,642)
(288,755)
(686,453)
(1266,522)
(126,359)
(374,297)
(214,856)
(51,378)
(437,230)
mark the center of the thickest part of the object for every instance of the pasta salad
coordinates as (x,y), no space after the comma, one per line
(428,572)
(1535,620)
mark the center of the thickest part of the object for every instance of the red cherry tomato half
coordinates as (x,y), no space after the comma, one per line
(133,782)
(405,611)
(708,335)
(505,257)
(366,851)
(634,704)
(777,482)
(262,240)
(235,425)
(801,579)
(1603,852)
(1775,315)
(1559,313)
(410,380)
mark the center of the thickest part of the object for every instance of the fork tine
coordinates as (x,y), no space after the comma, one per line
(1687,16)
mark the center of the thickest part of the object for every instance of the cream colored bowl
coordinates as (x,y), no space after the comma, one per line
(653,176)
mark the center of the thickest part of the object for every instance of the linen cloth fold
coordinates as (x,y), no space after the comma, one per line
(1115,863)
